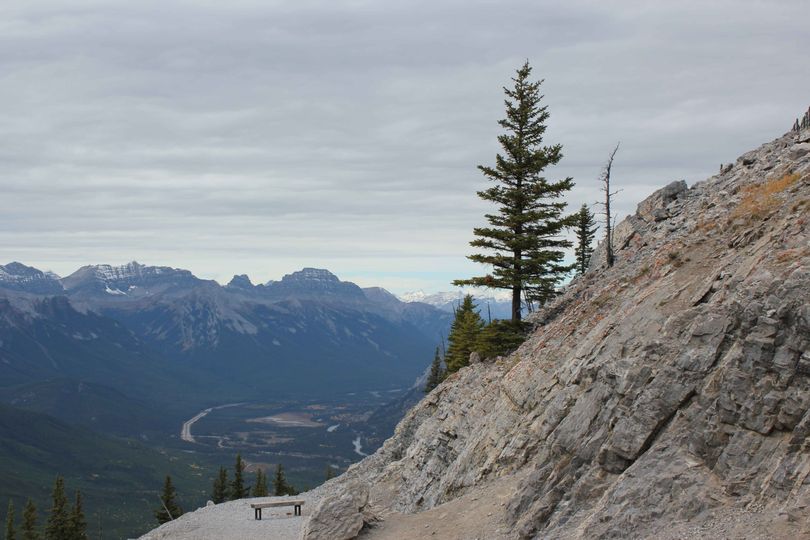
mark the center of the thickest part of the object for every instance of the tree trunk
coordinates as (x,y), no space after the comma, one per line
(515,304)
(517,288)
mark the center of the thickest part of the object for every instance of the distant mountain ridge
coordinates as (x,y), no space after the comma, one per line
(126,279)
(493,303)
(19,277)
(104,323)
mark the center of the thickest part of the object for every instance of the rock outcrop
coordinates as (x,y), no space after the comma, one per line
(340,516)
(669,390)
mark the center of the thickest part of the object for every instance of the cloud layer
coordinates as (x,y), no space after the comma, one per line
(259,137)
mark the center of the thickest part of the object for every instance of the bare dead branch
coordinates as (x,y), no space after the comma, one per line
(605,177)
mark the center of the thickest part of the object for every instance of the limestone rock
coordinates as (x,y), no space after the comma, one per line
(798,151)
(659,200)
(339,517)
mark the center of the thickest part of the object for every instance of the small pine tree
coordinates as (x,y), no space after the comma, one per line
(219,491)
(435,376)
(78,524)
(29,525)
(464,331)
(260,489)
(330,472)
(585,229)
(238,489)
(169,508)
(58,525)
(500,338)
(10,534)
(280,485)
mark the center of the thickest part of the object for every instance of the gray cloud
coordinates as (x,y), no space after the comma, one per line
(261,136)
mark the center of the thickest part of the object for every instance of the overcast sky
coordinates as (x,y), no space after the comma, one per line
(259,137)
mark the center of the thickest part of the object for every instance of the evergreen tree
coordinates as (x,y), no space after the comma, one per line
(10,534)
(500,338)
(219,491)
(464,331)
(585,229)
(524,243)
(435,375)
(238,489)
(260,489)
(29,526)
(169,509)
(280,485)
(330,472)
(58,525)
(77,522)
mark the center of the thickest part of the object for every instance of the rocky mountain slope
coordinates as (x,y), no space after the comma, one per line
(662,397)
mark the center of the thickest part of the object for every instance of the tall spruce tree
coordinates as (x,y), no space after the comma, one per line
(169,509)
(585,228)
(58,524)
(219,491)
(463,336)
(29,524)
(10,532)
(435,374)
(524,243)
(77,522)
(238,489)
(260,488)
(280,485)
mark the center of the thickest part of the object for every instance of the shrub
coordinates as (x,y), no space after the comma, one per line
(499,338)
(759,200)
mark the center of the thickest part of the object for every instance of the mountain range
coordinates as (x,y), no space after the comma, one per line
(125,326)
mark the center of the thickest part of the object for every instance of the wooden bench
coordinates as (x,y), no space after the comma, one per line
(295,503)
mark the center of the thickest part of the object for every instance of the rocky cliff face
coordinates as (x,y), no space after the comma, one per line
(661,391)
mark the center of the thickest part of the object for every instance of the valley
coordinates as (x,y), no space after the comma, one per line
(308,372)
(306,436)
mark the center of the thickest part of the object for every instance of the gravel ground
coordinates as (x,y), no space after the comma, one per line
(741,524)
(234,520)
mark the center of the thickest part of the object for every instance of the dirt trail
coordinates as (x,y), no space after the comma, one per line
(476,515)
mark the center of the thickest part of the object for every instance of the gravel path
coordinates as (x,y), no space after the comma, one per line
(234,520)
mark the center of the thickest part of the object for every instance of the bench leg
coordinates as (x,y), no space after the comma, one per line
(297,509)
(258,513)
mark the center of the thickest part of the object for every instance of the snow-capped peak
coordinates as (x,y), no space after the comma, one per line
(442,298)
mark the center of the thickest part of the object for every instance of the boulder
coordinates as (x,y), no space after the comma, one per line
(338,517)
(799,150)
(648,209)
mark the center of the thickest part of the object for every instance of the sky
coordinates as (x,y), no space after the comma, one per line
(260,137)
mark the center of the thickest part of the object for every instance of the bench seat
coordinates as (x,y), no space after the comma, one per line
(295,503)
